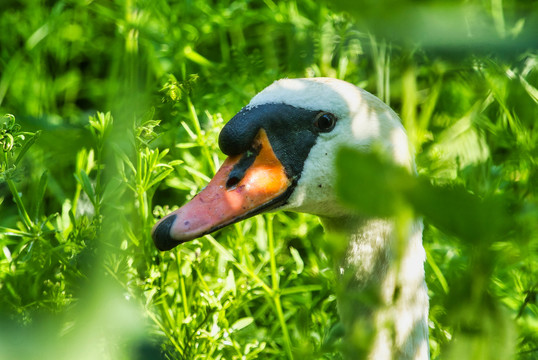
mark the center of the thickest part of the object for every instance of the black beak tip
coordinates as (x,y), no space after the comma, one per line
(161,235)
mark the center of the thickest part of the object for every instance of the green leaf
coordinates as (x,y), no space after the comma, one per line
(87,187)
(241,323)
(456,211)
(376,187)
(298,260)
(369,186)
(31,141)
(40,194)
(160,176)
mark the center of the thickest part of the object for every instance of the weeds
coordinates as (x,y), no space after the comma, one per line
(80,189)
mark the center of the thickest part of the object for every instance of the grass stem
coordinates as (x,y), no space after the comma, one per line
(276,286)
(20,206)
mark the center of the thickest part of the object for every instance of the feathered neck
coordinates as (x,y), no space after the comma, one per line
(383,299)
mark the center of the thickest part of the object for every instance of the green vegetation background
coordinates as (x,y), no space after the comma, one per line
(115,111)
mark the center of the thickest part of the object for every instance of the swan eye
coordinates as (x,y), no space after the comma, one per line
(325,122)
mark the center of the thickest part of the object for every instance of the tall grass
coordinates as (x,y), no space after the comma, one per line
(117,108)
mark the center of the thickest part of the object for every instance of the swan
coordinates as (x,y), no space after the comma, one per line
(281,151)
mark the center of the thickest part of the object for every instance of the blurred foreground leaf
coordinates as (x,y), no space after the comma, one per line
(448,27)
(375,187)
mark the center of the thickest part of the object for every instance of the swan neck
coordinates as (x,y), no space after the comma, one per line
(381,282)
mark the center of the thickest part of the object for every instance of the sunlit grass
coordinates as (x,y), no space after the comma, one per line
(116,113)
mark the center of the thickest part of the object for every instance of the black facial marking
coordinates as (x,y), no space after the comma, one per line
(292,132)
(161,236)
(239,170)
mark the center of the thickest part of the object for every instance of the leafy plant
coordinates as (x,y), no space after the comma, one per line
(80,189)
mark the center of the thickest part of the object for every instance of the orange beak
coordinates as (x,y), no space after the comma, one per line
(245,185)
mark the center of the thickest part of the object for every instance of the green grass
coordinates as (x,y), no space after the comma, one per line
(116,109)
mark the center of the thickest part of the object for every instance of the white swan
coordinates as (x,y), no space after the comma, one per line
(282,149)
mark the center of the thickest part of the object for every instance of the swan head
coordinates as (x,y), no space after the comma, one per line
(281,151)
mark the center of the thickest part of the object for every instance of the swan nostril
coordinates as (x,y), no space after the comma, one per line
(232,181)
